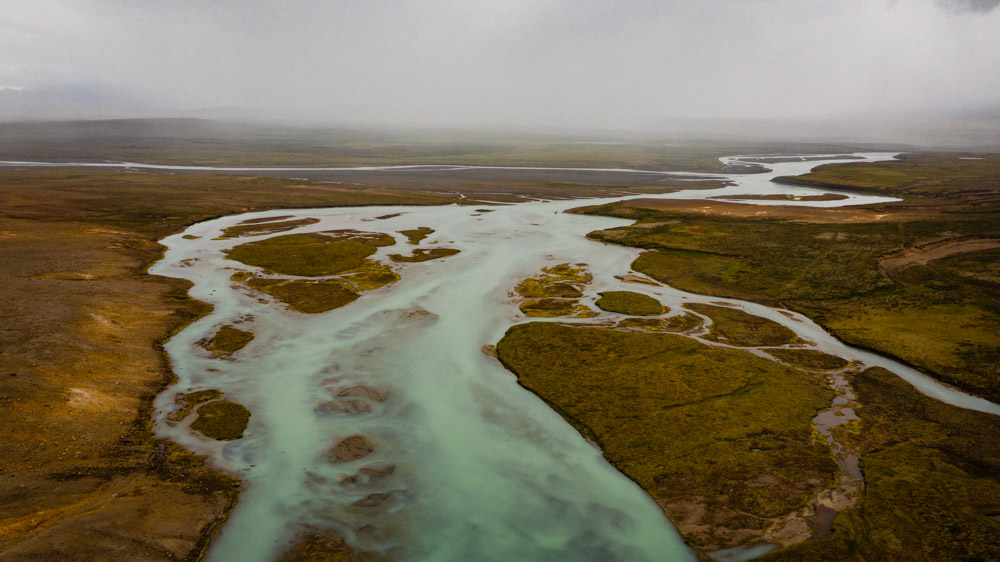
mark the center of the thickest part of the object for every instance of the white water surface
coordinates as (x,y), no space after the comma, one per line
(484,470)
(734,161)
(407,167)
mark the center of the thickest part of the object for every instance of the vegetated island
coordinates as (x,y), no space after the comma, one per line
(337,265)
(227,340)
(555,292)
(341,258)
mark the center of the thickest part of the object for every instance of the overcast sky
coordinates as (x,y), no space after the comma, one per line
(583,63)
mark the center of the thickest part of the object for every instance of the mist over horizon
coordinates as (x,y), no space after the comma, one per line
(873,70)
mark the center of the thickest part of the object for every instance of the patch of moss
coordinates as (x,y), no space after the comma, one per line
(554,293)
(959,342)
(932,481)
(416,235)
(735,327)
(553,308)
(368,277)
(190,400)
(566,273)
(679,323)
(310,297)
(722,439)
(322,295)
(377,239)
(425,254)
(309,255)
(258,228)
(810,359)
(695,272)
(228,340)
(533,288)
(221,420)
(627,302)
(190,237)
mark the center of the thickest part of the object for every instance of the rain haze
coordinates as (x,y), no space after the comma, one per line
(553,63)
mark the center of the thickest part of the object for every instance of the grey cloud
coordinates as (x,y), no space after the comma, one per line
(568,63)
(969,5)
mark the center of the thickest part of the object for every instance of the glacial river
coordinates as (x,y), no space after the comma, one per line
(483,470)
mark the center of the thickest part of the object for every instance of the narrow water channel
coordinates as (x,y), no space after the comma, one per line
(466,463)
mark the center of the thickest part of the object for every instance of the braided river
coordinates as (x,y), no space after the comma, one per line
(465,463)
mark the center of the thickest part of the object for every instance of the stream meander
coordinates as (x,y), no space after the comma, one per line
(481,468)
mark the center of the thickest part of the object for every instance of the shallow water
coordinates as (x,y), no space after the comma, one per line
(483,469)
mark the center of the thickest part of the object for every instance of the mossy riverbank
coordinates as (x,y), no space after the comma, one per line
(942,317)
(723,440)
(424,254)
(735,327)
(932,481)
(719,437)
